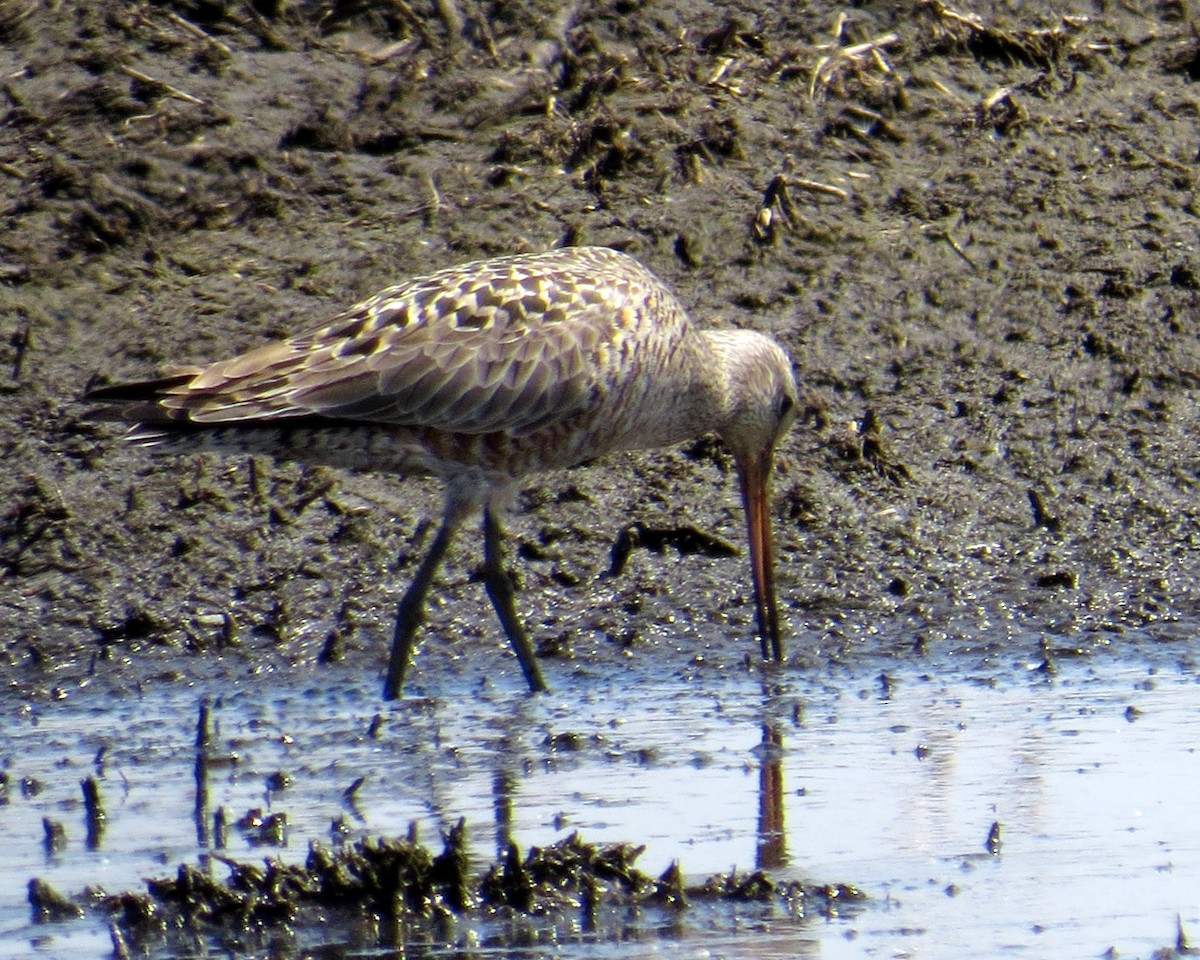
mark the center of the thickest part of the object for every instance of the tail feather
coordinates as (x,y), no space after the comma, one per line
(141,412)
(138,401)
(140,405)
(149,390)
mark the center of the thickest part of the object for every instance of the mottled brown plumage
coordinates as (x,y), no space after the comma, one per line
(481,374)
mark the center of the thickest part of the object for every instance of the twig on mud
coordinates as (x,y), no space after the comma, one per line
(486,39)
(11,18)
(935,232)
(876,123)
(719,71)
(717,77)
(815,186)
(431,206)
(453,19)
(414,21)
(259,26)
(160,84)
(401,48)
(199,33)
(971,21)
(1169,162)
(942,88)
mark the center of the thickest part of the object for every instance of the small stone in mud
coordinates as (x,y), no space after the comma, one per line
(1066,579)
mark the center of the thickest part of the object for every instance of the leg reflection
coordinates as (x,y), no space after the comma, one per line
(772,840)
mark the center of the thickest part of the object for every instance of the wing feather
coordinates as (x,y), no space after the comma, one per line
(514,344)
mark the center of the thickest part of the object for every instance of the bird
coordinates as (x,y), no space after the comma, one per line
(483,374)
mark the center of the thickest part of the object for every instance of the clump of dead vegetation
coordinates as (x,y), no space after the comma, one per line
(946,29)
(394,890)
(845,63)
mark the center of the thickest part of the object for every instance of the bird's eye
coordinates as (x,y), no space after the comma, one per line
(785,406)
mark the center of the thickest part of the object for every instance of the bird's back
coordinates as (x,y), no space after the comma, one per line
(539,359)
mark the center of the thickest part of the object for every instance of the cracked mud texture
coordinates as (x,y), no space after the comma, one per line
(973,227)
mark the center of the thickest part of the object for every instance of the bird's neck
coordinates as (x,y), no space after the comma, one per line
(729,362)
(693,396)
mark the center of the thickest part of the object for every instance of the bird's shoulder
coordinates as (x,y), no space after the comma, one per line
(581,295)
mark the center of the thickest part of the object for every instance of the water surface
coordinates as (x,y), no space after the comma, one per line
(889,779)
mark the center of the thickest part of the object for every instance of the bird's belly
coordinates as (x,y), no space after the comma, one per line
(352,446)
(482,461)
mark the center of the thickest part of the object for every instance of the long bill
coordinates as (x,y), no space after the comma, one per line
(756,476)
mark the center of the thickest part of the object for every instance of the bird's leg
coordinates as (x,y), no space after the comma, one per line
(500,589)
(411,612)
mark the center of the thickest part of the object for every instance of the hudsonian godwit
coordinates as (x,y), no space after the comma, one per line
(481,374)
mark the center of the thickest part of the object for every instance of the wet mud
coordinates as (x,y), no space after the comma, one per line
(973,230)
(973,227)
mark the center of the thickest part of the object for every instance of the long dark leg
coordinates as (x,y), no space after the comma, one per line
(411,612)
(500,590)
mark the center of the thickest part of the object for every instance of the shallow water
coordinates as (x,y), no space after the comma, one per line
(889,783)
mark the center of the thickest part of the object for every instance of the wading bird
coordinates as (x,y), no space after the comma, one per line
(482,374)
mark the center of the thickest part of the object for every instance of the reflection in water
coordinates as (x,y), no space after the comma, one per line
(95,816)
(1101,849)
(503,787)
(771,835)
(771,853)
(200,771)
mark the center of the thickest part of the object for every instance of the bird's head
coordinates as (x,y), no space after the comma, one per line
(761,400)
(760,406)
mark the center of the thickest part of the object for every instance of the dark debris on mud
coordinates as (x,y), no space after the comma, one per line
(394,890)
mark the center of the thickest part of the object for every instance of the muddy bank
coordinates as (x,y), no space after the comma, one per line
(974,231)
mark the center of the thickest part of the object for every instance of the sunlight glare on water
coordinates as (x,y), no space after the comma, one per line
(890,785)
